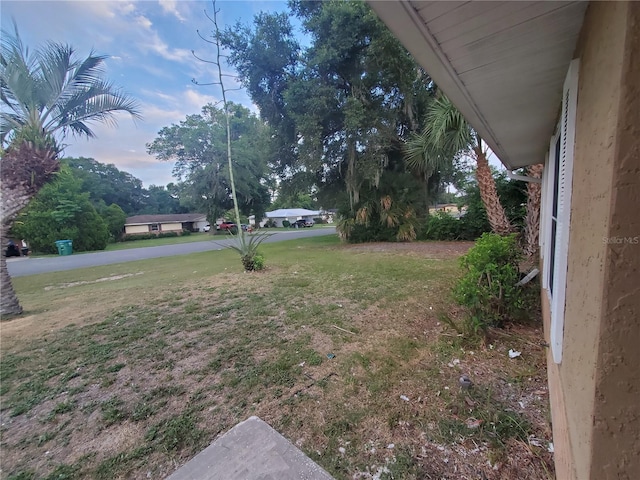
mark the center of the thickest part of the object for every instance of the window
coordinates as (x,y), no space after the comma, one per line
(155,227)
(557,210)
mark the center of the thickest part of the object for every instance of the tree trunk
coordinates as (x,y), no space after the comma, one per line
(532,220)
(13,200)
(25,169)
(9,304)
(495,212)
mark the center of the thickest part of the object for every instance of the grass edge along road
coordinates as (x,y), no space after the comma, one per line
(337,347)
(178,240)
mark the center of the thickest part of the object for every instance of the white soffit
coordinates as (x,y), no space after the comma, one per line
(501,63)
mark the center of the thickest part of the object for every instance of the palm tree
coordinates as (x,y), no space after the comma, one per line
(45,96)
(447,135)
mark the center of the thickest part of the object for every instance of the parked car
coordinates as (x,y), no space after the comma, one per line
(228,227)
(246,228)
(302,223)
(207,227)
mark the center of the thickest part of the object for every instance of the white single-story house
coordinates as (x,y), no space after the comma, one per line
(449,208)
(291,215)
(558,83)
(177,222)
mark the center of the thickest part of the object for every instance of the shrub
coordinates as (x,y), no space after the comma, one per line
(319,220)
(442,226)
(270,224)
(489,287)
(374,232)
(286,223)
(137,236)
(186,233)
(258,262)
(61,212)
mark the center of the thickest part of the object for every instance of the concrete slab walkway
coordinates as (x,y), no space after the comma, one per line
(251,450)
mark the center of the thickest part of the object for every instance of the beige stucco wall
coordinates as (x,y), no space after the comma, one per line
(616,436)
(171,227)
(132,229)
(591,391)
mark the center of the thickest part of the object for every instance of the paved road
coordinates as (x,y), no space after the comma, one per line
(19,267)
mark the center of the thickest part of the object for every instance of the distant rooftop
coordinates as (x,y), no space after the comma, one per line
(166,218)
(292,212)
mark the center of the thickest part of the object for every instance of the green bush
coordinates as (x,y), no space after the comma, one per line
(286,223)
(186,233)
(168,234)
(489,288)
(258,262)
(270,224)
(374,232)
(442,226)
(61,211)
(319,220)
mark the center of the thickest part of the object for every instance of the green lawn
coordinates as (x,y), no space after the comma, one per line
(156,242)
(125,371)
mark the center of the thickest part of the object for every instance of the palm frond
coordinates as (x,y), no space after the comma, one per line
(54,91)
(449,130)
(445,136)
(247,245)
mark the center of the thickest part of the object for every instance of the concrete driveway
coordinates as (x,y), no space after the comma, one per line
(19,267)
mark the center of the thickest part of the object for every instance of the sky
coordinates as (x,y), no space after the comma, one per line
(148,44)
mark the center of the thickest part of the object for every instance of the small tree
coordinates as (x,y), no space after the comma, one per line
(246,247)
(115,218)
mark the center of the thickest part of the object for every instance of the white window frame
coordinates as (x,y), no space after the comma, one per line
(556,291)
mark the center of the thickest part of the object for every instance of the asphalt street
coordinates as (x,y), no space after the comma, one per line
(19,267)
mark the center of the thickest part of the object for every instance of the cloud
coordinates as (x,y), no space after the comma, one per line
(171,7)
(187,100)
(143,22)
(161,48)
(198,100)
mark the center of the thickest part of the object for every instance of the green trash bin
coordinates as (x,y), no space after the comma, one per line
(65,247)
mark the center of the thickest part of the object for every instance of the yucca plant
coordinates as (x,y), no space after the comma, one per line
(247,247)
